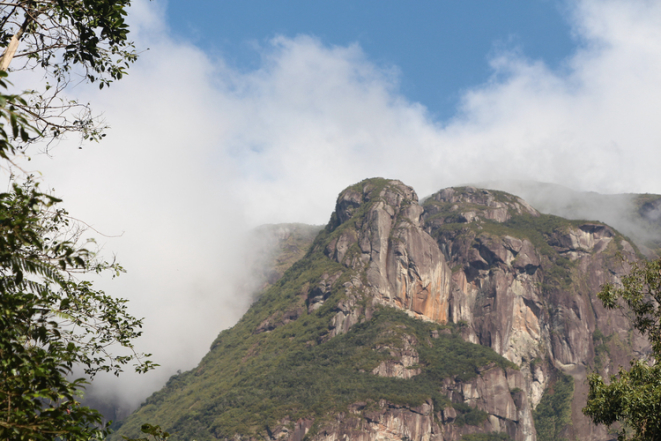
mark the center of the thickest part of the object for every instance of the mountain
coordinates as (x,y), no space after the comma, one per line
(472,316)
(637,216)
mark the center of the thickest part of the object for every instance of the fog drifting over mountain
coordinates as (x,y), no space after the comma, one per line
(199,153)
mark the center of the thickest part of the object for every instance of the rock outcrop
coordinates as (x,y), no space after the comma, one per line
(403,361)
(495,313)
(527,301)
(403,265)
(525,285)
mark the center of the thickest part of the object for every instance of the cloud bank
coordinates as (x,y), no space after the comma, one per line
(199,152)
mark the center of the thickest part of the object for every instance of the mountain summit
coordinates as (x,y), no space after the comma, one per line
(471,316)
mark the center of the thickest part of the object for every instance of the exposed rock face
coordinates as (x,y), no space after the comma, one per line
(403,265)
(509,412)
(403,362)
(388,422)
(528,302)
(532,302)
(637,216)
(490,392)
(380,230)
(487,264)
(472,204)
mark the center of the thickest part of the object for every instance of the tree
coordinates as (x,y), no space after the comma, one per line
(52,319)
(633,397)
(51,322)
(154,433)
(68,40)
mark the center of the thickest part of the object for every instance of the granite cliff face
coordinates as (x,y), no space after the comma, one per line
(469,314)
(525,285)
(379,234)
(533,303)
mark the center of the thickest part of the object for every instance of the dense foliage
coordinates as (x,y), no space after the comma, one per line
(283,377)
(553,413)
(67,41)
(633,397)
(52,320)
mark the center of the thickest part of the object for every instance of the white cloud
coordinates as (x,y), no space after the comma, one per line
(199,152)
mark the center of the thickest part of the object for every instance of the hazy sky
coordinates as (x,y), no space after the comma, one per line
(249,112)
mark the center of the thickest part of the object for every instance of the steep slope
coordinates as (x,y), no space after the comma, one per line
(524,283)
(369,335)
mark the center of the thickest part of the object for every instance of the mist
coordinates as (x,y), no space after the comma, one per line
(640,224)
(200,153)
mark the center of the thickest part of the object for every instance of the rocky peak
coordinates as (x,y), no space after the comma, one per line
(372,195)
(379,231)
(575,242)
(523,283)
(519,282)
(470,204)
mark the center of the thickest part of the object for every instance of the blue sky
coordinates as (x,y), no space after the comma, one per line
(439,48)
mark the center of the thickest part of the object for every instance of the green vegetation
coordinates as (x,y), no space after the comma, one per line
(64,41)
(601,348)
(471,416)
(553,413)
(154,433)
(251,381)
(372,186)
(284,376)
(273,254)
(370,193)
(559,275)
(51,318)
(633,397)
(537,229)
(294,247)
(51,321)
